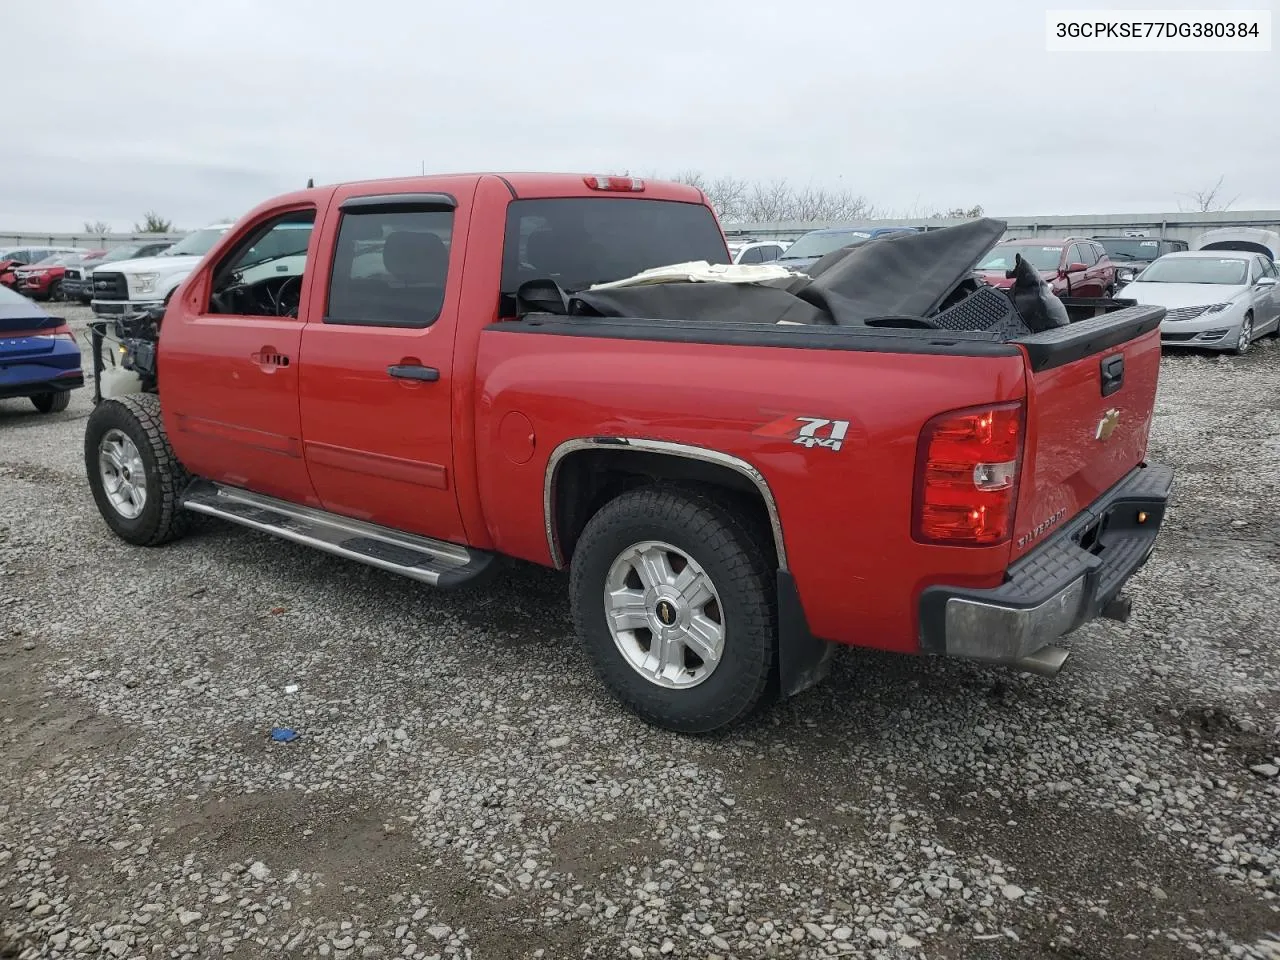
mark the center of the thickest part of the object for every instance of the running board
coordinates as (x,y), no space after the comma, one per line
(419,558)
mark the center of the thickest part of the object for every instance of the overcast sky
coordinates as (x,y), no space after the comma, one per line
(200,110)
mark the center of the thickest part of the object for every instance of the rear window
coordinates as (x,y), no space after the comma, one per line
(1041,256)
(1127,248)
(580,241)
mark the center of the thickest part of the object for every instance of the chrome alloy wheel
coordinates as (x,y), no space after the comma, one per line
(664,613)
(124,478)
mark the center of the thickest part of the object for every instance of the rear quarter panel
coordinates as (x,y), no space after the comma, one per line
(845,515)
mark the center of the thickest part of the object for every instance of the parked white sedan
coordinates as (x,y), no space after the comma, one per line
(1215,299)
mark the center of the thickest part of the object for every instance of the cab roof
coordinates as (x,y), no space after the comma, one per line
(522,186)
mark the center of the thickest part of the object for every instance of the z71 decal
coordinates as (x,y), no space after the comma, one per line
(808,431)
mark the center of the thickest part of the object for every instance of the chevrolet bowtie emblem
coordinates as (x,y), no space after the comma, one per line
(1107,425)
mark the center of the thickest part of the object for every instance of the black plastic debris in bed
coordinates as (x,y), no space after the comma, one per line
(917,280)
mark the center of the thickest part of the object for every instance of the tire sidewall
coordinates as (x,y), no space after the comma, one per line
(745,607)
(105,417)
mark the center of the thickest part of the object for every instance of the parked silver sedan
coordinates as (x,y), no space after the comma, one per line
(1216,299)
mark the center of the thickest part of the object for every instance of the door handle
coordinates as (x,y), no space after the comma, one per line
(268,358)
(413,371)
(1112,374)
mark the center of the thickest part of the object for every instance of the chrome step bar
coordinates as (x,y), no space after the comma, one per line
(435,562)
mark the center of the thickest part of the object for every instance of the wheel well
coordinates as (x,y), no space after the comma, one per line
(586,480)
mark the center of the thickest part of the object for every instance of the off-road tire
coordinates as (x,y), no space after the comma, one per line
(721,539)
(162,518)
(53,402)
(55,291)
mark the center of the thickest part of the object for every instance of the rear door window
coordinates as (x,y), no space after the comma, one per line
(579,241)
(389,267)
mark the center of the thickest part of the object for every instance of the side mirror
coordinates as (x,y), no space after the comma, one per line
(1076,268)
(1265,282)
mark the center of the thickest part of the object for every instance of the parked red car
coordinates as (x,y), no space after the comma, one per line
(43,280)
(1073,267)
(17,258)
(726,495)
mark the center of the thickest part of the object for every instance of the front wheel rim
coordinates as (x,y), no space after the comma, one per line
(664,614)
(1246,334)
(124,477)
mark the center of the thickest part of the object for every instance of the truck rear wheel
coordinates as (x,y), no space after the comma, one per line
(135,478)
(673,604)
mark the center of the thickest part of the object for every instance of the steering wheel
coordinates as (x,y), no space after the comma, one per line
(281,300)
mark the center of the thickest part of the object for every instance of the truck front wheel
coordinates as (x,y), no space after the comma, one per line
(673,603)
(135,478)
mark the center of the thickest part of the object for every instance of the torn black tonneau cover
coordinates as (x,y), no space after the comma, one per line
(924,280)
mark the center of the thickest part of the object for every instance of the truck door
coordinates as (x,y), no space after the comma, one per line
(228,363)
(377,376)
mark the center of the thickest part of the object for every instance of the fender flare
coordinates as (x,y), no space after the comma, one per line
(667,448)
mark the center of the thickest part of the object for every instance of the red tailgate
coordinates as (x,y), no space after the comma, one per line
(1083,437)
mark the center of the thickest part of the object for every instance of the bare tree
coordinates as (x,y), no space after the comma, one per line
(97,228)
(959,213)
(725,194)
(728,195)
(737,200)
(692,178)
(768,201)
(152,222)
(1210,200)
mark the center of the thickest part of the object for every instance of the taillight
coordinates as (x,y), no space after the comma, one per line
(967,469)
(615,184)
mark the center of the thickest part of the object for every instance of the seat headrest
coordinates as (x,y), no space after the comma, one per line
(416,257)
(540,249)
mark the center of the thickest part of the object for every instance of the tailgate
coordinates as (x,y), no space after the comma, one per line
(1091,395)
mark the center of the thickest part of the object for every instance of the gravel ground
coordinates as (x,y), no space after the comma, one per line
(461,788)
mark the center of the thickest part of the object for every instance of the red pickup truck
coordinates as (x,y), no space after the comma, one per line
(731,498)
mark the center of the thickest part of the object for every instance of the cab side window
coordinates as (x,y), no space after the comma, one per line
(390,264)
(261,276)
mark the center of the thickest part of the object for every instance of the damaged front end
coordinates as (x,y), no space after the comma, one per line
(132,367)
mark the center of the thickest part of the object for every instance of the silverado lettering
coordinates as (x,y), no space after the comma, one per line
(391,372)
(1040,528)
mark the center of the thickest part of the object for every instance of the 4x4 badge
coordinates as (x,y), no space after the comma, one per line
(808,431)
